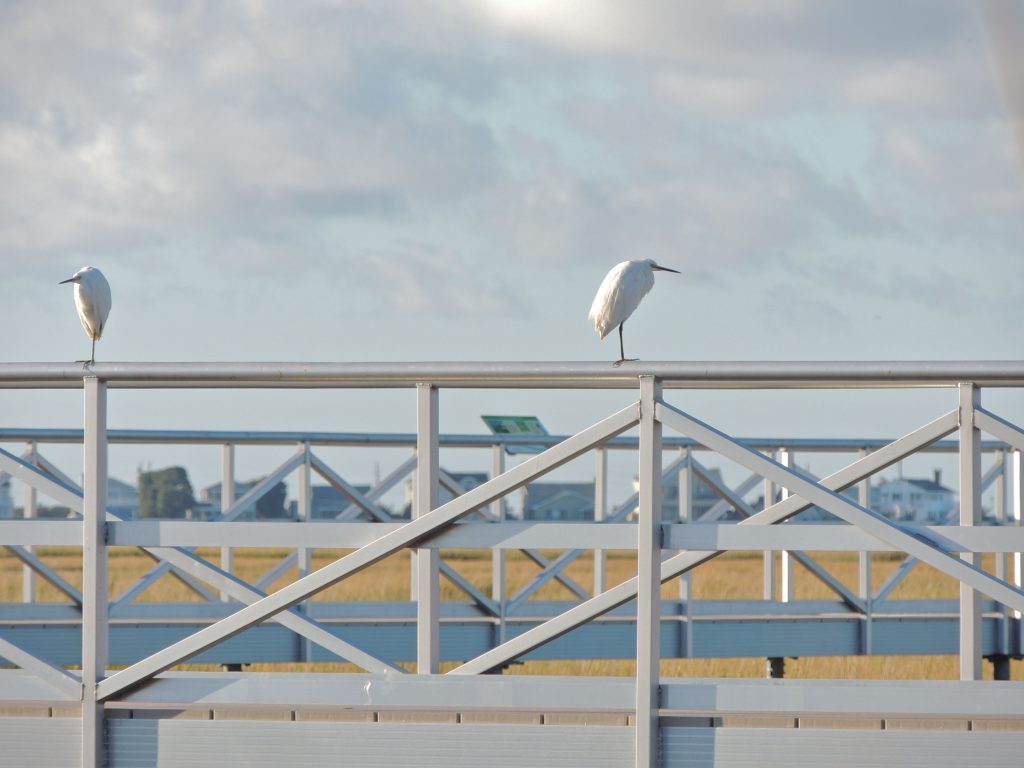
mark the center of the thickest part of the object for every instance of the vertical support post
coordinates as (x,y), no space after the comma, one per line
(864,586)
(28,576)
(769,554)
(498,590)
(426,562)
(95,585)
(1002,512)
(686,580)
(1016,508)
(227,500)
(785,457)
(648,599)
(303,555)
(600,512)
(970,511)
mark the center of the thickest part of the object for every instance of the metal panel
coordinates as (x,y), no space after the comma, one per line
(500,692)
(192,743)
(785,747)
(884,698)
(613,637)
(41,742)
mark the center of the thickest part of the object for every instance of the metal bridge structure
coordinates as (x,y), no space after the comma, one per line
(90,681)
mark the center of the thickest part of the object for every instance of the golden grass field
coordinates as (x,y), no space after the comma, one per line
(732,576)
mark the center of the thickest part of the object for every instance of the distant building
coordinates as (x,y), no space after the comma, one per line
(815,514)
(467,481)
(575,501)
(122,498)
(211,494)
(702,498)
(6,502)
(208,505)
(914,500)
(328,502)
(559,501)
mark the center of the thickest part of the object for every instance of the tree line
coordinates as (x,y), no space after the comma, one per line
(167,493)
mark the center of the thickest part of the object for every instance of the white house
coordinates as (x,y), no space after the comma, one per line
(914,499)
(559,501)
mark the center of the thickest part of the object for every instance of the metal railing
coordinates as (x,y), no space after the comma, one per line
(951,551)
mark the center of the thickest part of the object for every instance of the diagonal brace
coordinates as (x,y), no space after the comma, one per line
(686,561)
(412,533)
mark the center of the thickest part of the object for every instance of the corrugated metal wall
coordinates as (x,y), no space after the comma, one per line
(40,742)
(192,744)
(734,747)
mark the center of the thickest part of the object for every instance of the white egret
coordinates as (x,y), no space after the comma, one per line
(92,299)
(620,294)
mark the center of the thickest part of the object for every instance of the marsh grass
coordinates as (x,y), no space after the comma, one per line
(736,576)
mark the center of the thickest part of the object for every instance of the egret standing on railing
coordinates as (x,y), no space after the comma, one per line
(620,294)
(92,299)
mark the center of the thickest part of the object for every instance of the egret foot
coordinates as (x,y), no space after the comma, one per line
(622,360)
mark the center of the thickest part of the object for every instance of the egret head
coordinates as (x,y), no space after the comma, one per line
(75,278)
(657,267)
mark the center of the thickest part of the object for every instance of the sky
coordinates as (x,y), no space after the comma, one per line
(406,180)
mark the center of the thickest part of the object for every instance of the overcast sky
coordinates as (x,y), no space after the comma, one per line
(358,181)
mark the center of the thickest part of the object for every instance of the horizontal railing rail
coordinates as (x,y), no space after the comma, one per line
(445,440)
(582,375)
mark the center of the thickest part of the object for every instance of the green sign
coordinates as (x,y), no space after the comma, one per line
(517,425)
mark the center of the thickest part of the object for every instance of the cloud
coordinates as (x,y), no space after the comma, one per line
(418,280)
(456,146)
(142,124)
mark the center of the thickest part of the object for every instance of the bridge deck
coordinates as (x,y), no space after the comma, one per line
(198,719)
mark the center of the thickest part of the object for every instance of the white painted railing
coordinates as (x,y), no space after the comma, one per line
(951,551)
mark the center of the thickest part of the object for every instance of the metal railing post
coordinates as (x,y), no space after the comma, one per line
(303,555)
(970,512)
(648,600)
(600,512)
(785,457)
(1016,509)
(426,561)
(769,554)
(28,576)
(1002,514)
(227,500)
(498,589)
(864,586)
(686,580)
(94,570)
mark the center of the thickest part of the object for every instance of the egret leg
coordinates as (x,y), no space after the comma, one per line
(92,355)
(622,351)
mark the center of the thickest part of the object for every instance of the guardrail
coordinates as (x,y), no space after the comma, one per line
(952,552)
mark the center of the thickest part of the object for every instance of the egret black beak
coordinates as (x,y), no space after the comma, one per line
(665,269)
(69,280)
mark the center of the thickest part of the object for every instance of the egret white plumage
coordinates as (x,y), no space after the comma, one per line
(620,294)
(92,299)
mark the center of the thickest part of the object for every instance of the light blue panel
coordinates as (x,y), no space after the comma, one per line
(735,747)
(220,743)
(46,742)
